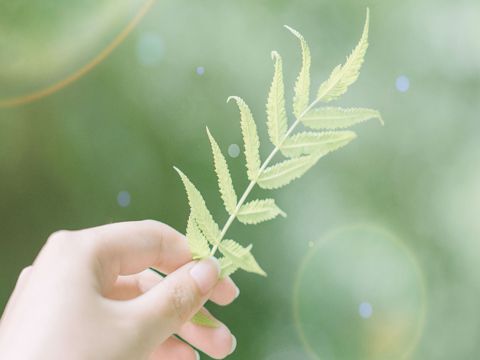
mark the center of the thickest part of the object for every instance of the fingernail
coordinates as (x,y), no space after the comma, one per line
(205,273)
(197,355)
(237,292)
(234,344)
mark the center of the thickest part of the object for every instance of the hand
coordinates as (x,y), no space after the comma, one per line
(90,295)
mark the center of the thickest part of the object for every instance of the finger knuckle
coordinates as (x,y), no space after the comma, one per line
(151,222)
(24,273)
(26,270)
(67,242)
(58,238)
(181,302)
(156,226)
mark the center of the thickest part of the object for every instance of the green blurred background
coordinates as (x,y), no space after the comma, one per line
(379,256)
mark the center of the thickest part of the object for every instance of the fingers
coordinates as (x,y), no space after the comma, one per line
(215,342)
(128,248)
(176,349)
(225,292)
(132,286)
(134,246)
(123,248)
(175,299)
(20,285)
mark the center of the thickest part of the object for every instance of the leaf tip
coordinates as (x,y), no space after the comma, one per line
(293,31)
(275,55)
(237,99)
(367,21)
(180,172)
(208,132)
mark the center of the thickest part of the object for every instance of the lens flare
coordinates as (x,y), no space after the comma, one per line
(359,294)
(82,71)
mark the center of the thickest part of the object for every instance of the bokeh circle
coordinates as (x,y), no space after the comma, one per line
(359,294)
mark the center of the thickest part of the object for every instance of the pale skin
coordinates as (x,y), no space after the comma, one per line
(91,295)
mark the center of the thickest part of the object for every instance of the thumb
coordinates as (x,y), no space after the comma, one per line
(178,297)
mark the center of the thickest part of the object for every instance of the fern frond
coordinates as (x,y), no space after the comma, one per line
(257,211)
(338,118)
(301,98)
(307,143)
(199,210)
(283,173)
(276,113)
(225,184)
(303,149)
(227,267)
(344,76)
(240,256)
(197,243)
(250,138)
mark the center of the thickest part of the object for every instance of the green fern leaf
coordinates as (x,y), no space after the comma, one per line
(250,138)
(338,118)
(240,256)
(197,243)
(344,76)
(307,143)
(303,149)
(258,211)
(223,174)
(199,210)
(276,113)
(227,267)
(203,319)
(302,85)
(283,173)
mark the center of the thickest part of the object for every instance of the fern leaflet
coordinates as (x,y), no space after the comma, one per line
(250,138)
(332,118)
(302,85)
(345,75)
(240,256)
(318,143)
(258,211)
(224,179)
(276,113)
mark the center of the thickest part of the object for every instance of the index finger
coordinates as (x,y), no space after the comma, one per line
(129,247)
(118,249)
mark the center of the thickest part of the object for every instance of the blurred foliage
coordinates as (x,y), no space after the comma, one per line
(65,159)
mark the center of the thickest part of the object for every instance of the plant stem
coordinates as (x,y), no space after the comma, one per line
(252,184)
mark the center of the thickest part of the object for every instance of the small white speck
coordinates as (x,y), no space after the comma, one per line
(233,150)
(200,70)
(402,83)
(123,198)
(365,310)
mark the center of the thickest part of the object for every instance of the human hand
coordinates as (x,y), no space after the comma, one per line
(90,295)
